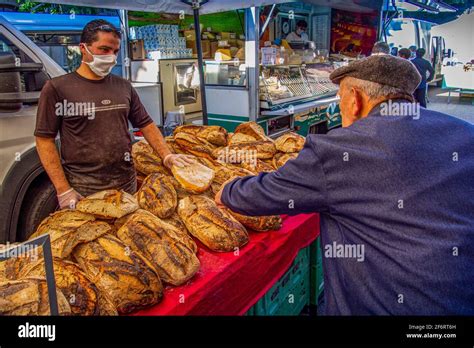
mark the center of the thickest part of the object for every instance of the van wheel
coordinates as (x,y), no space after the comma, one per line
(39,202)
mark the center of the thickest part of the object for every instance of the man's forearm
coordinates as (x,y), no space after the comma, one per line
(49,156)
(154,137)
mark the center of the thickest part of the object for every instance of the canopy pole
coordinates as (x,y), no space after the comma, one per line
(197,29)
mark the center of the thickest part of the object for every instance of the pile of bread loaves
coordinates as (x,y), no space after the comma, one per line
(114,252)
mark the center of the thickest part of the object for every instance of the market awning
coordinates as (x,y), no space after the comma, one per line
(213,6)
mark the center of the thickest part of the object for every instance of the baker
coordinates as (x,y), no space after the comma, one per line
(397,188)
(91,109)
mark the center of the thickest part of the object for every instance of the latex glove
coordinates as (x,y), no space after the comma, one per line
(178,160)
(69,199)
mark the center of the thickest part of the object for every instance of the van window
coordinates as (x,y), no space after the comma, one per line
(17,86)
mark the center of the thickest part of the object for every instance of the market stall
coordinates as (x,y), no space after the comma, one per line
(230,284)
(170,249)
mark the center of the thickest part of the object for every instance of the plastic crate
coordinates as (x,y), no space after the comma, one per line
(316,271)
(292,291)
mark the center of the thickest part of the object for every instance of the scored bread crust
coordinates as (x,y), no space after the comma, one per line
(149,163)
(251,129)
(238,138)
(215,135)
(259,223)
(290,142)
(158,195)
(172,260)
(195,177)
(108,204)
(215,228)
(281,158)
(73,283)
(123,274)
(257,166)
(194,145)
(29,296)
(241,152)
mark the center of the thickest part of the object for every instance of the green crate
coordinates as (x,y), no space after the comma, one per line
(291,292)
(250,312)
(316,271)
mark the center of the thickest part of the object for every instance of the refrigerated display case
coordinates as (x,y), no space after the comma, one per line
(284,84)
(226,73)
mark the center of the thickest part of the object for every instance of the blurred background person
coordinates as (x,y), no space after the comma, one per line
(404,53)
(424,67)
(300,32)
(412,49)
(380,48)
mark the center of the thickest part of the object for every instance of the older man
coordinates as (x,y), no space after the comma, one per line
(395,190)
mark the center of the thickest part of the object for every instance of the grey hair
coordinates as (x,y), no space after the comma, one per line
(373,90)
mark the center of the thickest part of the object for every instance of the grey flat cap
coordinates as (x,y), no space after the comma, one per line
(384,69)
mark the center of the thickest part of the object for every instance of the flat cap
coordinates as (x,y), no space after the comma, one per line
(384,69)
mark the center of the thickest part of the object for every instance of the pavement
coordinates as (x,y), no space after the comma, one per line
(462,108)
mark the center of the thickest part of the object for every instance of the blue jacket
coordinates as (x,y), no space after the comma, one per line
(423,66)
(396,198)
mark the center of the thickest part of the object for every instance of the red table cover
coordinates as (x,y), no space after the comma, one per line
(228,283)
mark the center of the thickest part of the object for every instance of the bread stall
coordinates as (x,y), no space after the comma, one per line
(169,249)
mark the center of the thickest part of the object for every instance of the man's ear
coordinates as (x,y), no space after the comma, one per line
(357,102)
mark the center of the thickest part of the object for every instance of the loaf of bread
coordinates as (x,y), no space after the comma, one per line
(258,223)
(281,158)
(227,172)
(69,228)
(194,178)
(173,225)
(290,142)
(215,228)
(251,129)
(29,296)
(191,144)
(141,146)
(158,195)
(83,295)
(149,163)
(257,166)
(146,160)
(123,274)
(245,152)
(173,146)
(238,138)
(215,135)
(109,204)
(172,260)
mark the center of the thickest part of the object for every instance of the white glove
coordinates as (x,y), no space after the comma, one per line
(69,199)
(178,160)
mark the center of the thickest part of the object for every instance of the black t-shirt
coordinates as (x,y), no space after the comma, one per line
(92,117)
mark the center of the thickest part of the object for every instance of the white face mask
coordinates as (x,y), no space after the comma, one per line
(101,65)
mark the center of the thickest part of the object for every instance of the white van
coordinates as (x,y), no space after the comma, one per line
(26,193)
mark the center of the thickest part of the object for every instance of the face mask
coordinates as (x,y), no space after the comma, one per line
(101,65)
(299,31)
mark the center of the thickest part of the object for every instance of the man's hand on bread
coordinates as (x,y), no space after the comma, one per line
(218,196)
(69,198)
(178,160)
